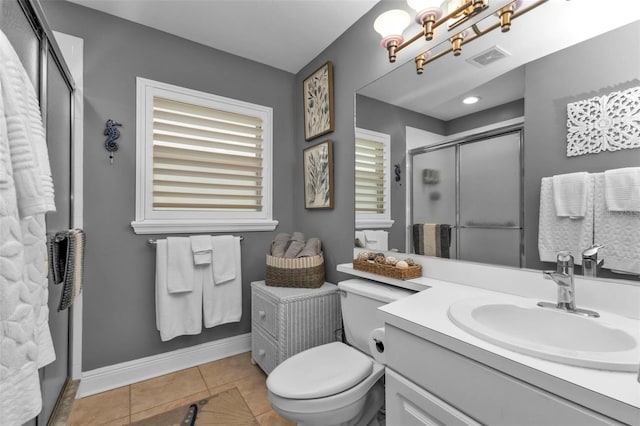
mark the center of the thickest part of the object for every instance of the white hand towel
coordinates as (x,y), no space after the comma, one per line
(223,303)
(202,249)
(371,236)
(177,313)
(570,194)
(224,264)
(557,233)
(180,269)
(617,231)
(376,240)
(622,189)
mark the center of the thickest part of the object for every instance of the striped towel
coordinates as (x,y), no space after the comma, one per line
(431,239)
(66,260)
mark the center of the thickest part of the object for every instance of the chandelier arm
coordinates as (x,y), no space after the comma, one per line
(516,14)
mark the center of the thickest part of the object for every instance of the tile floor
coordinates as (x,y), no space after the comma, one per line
(135,402)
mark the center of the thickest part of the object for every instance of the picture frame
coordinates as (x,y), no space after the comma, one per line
(318,104)
(318,176)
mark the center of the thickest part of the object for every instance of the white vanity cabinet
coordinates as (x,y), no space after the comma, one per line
(427,384)
(287,320)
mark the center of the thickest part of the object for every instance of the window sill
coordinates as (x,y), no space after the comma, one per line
(374,223)
(195,226)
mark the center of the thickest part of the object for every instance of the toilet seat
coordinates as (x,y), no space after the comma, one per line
(339,407)
(320,372)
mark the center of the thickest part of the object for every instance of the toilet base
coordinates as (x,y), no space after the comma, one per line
(360,413)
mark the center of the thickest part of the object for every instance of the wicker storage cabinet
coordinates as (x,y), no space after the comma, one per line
(288,320)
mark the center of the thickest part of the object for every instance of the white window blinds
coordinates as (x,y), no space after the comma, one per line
(205,159)
(372,170)
(204,163)
(370,176)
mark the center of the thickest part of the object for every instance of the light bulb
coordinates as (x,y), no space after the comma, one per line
(470,100)
(392,23)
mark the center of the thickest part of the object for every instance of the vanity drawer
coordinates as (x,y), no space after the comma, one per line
(408,404)
(263,350)
(264,312)
(482,393)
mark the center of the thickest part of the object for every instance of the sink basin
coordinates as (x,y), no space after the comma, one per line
(608,343)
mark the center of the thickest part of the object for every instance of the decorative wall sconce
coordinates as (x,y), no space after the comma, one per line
(112,133)
(432,15)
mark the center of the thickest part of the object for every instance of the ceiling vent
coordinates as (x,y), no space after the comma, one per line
(489,56)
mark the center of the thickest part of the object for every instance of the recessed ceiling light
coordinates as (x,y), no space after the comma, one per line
(470,100)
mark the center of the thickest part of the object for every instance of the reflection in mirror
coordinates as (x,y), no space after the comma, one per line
(466,200)
(536,75)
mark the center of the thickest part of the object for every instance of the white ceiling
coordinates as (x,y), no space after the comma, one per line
(288,34)
(553,26)
(285,34)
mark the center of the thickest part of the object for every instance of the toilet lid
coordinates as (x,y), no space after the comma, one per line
(318,372)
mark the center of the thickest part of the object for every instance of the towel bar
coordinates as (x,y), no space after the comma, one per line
(152,241)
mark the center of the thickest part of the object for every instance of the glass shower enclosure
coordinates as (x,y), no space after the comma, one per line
(474,185)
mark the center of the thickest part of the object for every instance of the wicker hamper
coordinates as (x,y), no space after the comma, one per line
(304,272)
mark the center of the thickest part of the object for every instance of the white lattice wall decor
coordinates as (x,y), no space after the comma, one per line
(604,123)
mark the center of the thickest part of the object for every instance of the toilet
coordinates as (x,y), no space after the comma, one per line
(338,383)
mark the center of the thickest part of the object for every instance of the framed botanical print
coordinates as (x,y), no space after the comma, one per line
(317,91)
(318,176)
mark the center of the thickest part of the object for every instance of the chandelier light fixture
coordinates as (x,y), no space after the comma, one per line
(435,16)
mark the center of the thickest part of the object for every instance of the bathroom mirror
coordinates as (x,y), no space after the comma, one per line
(559,53)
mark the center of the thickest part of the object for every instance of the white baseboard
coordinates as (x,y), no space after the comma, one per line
(114,376)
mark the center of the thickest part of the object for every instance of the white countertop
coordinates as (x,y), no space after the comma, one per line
(616,394)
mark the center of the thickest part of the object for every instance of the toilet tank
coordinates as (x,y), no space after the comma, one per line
(359,302)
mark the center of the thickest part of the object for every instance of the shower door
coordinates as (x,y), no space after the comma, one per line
(475,185)
(489,200)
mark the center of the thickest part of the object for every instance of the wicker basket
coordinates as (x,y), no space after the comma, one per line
(388,270)
(303,272)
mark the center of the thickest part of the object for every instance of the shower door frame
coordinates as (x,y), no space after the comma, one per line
(456,144)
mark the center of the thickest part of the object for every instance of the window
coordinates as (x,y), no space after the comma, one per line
(203,162)
(373,208)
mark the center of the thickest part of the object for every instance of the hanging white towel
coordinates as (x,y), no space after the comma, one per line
(557,233)
(622,189)
(570,194)
(29,156)
(224,265)
(202,249)
(222,303)
(180,267)
(26,191)
(376,240)
(177,313)
(619,232)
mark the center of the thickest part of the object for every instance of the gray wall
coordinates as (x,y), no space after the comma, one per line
(608,63)
(357,61)
(119,310)
(486,117)
(372,114)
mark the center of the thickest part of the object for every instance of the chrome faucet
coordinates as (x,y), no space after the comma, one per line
(563,277)
(590,263)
